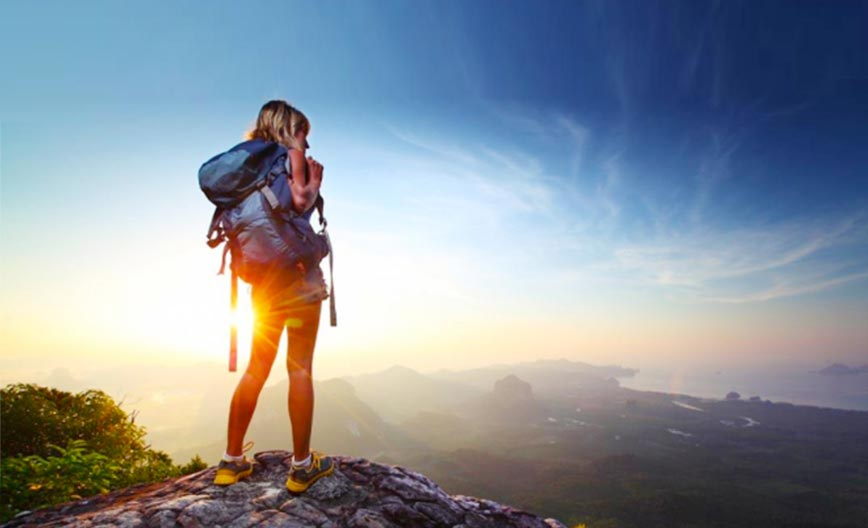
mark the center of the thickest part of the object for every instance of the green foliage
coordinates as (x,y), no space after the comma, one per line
(104,450)
(73,472)
(35,417)
(195,464)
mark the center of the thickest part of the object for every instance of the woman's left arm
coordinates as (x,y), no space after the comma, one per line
(304,181)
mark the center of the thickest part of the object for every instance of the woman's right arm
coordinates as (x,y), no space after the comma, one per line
(304,184)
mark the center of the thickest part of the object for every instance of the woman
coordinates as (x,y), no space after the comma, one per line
(280,302)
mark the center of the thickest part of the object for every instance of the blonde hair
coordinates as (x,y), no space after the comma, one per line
(279,121)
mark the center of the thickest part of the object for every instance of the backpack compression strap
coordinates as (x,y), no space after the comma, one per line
(333,314)
(217,236)
(233,329)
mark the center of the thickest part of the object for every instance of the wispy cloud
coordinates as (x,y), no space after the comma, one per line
(509,180)
(583,181)
(749,264)
(579,136)
(789,288)
(713,168)
(584,206)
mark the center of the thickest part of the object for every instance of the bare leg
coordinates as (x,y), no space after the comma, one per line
(267,329)
(302,326)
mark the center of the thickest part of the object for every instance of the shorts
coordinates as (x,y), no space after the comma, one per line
(282,291)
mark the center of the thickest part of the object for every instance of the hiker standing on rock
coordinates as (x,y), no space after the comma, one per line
(282,299)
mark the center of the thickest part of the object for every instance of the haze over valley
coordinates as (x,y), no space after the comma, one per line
(559,437)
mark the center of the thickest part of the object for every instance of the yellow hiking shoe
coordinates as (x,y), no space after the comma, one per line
(301,478)
(231,472)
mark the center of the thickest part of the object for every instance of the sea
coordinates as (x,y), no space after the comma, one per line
(797,385)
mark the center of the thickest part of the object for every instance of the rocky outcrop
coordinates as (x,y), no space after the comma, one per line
(359,494)
(511,402)
(513,388)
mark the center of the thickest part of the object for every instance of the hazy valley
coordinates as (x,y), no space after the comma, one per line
(563,439)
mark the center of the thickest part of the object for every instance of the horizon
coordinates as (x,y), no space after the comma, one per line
(652,187)
(169,403)
(778,383)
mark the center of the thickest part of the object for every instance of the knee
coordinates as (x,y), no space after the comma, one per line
(298,370)
(258,373)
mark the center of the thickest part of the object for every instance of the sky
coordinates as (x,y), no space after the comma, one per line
(633,183)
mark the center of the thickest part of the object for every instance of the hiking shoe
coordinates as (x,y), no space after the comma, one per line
(301,478)
(231,472)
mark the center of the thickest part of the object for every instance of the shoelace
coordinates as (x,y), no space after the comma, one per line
(245,448)
(314,462)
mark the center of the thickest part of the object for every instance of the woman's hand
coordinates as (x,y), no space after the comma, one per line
(314,171)
(304,181)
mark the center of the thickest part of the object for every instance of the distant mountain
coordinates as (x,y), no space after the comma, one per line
(606,371)
(371,414)
(342,424)
(839,369)
(549,378)
(512,389)
(510,401)
(399,392)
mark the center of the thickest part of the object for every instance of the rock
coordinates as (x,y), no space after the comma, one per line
(512,387)
(365,518)
(300,509)
(360,494)
(442,514)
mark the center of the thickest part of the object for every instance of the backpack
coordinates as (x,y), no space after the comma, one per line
(264,235)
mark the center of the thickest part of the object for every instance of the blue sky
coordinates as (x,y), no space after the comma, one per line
(614,182)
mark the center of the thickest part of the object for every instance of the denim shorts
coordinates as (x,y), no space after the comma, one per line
(282,291)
